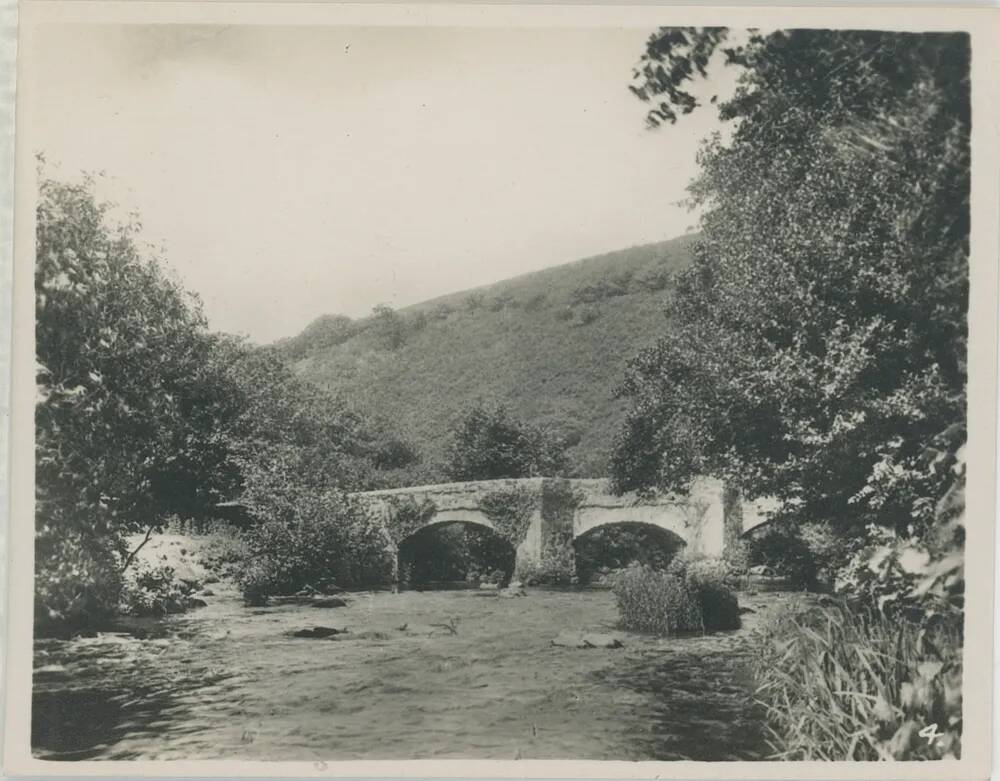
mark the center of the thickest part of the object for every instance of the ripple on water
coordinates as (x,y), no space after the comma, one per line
(226,681)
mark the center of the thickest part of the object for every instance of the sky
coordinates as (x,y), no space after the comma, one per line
(293,172)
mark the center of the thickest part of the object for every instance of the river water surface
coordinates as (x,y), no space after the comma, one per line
(443,674)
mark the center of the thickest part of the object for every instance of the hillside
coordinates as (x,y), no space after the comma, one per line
(552,344)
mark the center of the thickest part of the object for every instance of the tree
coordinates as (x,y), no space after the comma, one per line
(816,347)
(142,412)
(489,443)
(118,344)
(389,326)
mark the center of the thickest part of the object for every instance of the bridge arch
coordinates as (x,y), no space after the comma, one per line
(444,517)
(613,545)
(451,548)
(674,520)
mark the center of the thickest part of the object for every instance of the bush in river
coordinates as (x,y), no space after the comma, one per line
(706,580)
(256,582)
(155,591)
(688,596)
(841,683)
(655,601)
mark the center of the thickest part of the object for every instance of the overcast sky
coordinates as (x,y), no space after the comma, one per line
(292,172)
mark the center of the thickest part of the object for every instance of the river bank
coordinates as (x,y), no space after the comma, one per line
(415,675)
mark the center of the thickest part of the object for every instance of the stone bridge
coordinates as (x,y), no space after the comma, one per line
(542,515)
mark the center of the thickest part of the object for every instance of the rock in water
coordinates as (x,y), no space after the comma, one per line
(589,640)
(318,632)
(329,602)
(602,641)
(569,640)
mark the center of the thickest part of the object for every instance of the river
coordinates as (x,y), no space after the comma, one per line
(227,681)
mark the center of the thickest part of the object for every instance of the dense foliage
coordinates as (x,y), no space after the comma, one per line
(326,544)
(489,443)
(156,591)
(809,555)
(120,352)
(816,346)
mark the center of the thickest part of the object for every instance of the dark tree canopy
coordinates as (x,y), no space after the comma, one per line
(489,443)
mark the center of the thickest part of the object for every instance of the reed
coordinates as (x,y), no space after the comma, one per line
(845,684)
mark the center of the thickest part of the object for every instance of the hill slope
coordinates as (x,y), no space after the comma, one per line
(552,344)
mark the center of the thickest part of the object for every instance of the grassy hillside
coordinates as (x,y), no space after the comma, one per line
(552,344)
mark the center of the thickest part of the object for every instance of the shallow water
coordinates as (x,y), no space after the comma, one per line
(228,682)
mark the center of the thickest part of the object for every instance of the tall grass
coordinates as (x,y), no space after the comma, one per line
(689,596)
(654,601)
(843,684)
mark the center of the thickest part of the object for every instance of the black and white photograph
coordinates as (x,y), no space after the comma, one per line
(498,391)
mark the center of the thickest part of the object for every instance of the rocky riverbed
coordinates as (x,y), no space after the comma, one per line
(445,674)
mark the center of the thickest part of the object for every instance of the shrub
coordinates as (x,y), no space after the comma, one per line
(501,302)
(442,311)
(655,601)
(840,683)
(324,332)
(587,314)
(256,581)
(316,552)
(535,302)
(654,278)
(706,579)
(322,540)
(224,552)
(690,595)
(389,327)
(155,591)
(417,321)
(808,554)
(77,582)
(607,286)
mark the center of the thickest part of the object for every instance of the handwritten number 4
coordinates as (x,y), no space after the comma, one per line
(930,732)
